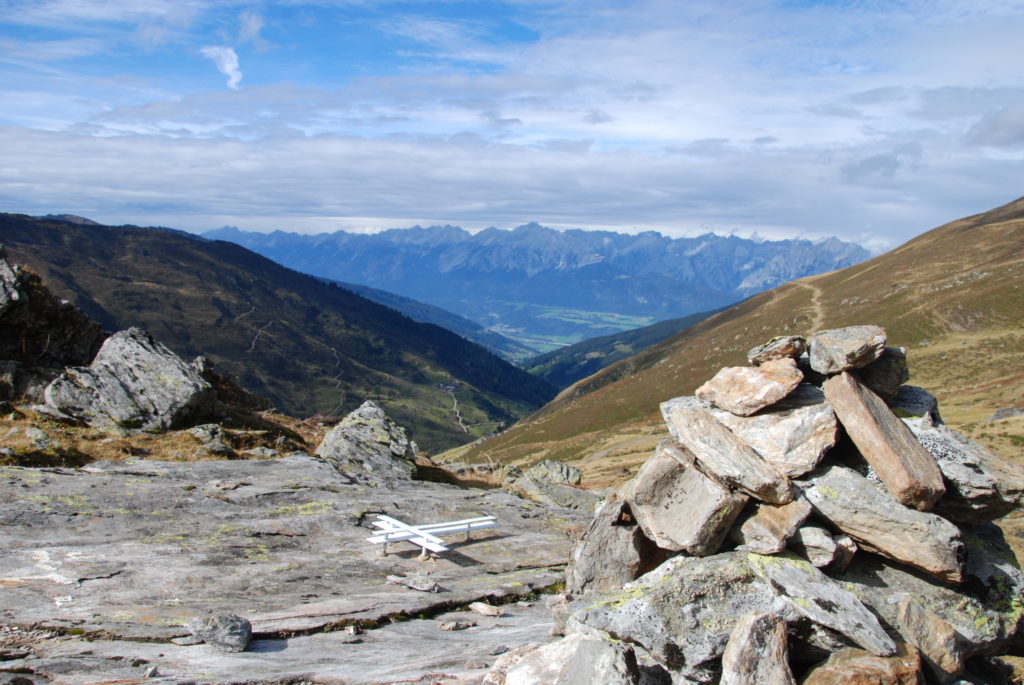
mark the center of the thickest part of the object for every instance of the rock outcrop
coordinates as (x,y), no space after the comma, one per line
(869,546)
(134,382)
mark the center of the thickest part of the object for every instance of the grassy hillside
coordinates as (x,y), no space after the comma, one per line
(565,366)
(954,297)
(309,346)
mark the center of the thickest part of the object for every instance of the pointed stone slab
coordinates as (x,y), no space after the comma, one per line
(880,524)
(908,471)
(768,527)
(719,451)
(934,636)
(841,349)
(744,390)
(757,652)
(680,508)
(821,599)
(792,435)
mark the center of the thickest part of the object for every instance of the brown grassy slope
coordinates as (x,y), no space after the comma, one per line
(954,297)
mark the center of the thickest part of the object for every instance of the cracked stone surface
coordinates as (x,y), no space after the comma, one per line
(134,550)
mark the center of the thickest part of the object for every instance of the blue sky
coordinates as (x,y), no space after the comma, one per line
(871,120)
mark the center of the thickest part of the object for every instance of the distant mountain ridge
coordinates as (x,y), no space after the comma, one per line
(309,346)
(953,296)
(520,281)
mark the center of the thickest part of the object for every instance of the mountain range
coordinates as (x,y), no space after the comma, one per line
(953,297)
(307,345)
(548,288)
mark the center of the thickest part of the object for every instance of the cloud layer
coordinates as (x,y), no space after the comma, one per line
(873,121)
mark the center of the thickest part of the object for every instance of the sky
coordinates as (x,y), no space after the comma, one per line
(870,120)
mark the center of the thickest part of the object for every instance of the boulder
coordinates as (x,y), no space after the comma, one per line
(134,382)
(842,349)
(368,448)
(611,552)
(720,452)
(791,346)
(227,633)
(757,652)
(9,292)
(857,667)
(916,407)
(980,484)
(934,637)
(680,508)
(765,528)
(908,471)
(577,660)
(744,390)
(793,434)
(886,374)
(864,511)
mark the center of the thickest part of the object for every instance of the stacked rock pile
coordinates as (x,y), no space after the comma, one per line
(810,515)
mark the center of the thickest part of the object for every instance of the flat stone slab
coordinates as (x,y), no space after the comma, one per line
(908,471)
(721,452)
(793,435)
(879,523)
(791,346)
(757,652)
(744,390)
(137,549)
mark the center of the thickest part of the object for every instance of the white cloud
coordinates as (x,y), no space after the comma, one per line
(226,61)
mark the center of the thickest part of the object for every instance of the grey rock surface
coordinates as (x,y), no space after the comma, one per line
(757,652)
(9,292)
(908,471)
(722,453)
(677,506)
(134,550)
(980,485)
(744,390)
(134,382)
(611,552)
(842,349)
(879,523)
(791,346)
(368,448)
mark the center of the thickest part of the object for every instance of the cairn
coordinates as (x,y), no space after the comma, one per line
(810,515)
